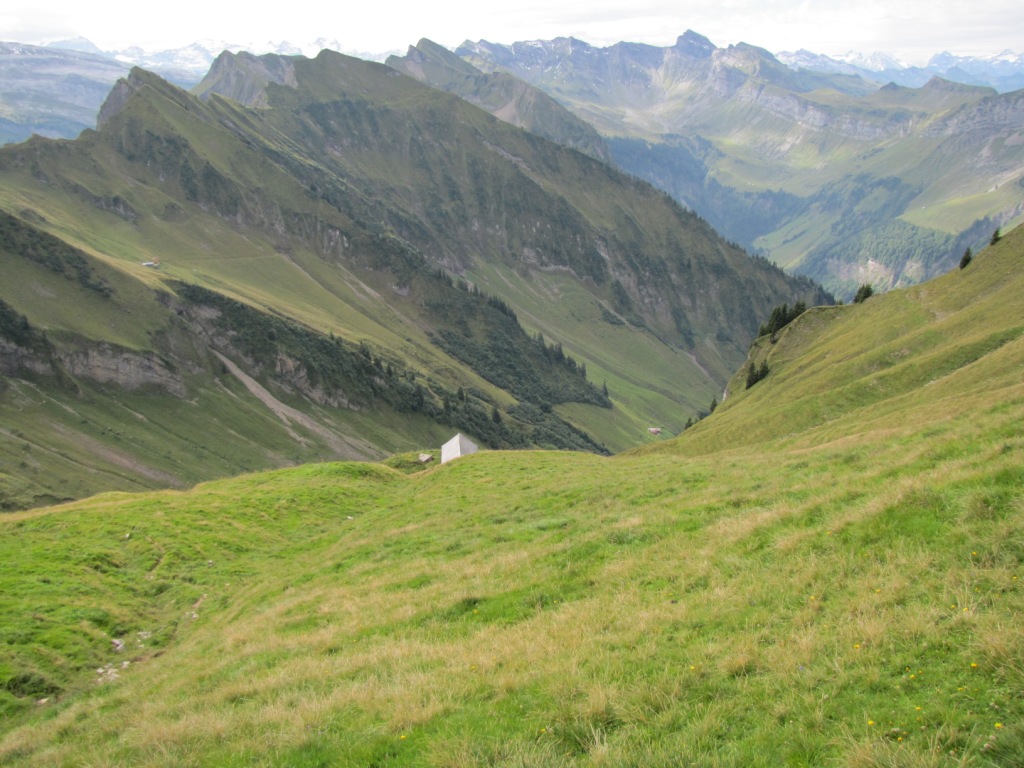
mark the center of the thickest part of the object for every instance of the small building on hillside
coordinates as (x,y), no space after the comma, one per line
(460,445)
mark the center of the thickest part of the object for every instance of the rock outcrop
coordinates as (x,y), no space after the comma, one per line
(107,364)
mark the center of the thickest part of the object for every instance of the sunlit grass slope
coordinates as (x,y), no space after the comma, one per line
(826,571)
(898,361)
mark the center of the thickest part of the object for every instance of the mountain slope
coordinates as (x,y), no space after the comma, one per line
(839,585)
(829,175)
(353,206)
(920,355)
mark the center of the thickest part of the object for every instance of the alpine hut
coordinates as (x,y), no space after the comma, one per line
(460,445)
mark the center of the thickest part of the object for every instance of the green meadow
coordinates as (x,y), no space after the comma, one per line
(825,571)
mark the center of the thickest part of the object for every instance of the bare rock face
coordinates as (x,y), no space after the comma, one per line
(129,370)
(292,373)
(998,115)
(15,359)
(116,99)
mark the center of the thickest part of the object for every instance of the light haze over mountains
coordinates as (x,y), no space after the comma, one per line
(1003,71)
(811,160)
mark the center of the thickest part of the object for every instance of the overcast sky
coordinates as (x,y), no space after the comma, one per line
(911,30)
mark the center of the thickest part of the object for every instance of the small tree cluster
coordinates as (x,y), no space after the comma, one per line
(782,316)
(865,292)
(702,414)
(556,354)
(756,373)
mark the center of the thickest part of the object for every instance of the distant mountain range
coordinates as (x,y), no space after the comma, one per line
(187,65)
(51,92)
(1002,71)
(831,174)
(828,165)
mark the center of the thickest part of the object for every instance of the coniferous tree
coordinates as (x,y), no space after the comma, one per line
(966,258)
(996,237)
(755,374)
(751,376)
(865,292)
(782,316)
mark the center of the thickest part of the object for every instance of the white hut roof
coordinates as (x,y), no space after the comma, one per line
(460,445)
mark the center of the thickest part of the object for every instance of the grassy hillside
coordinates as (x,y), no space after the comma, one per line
(914,356)
(113,383)
(824,571)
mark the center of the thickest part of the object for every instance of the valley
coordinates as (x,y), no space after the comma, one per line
(387,259)
(232,320)
(829,174)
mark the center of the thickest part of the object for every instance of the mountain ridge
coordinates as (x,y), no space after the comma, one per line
(761,150)
(386,224)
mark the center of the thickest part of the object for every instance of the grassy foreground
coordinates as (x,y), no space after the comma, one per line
(824,572)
